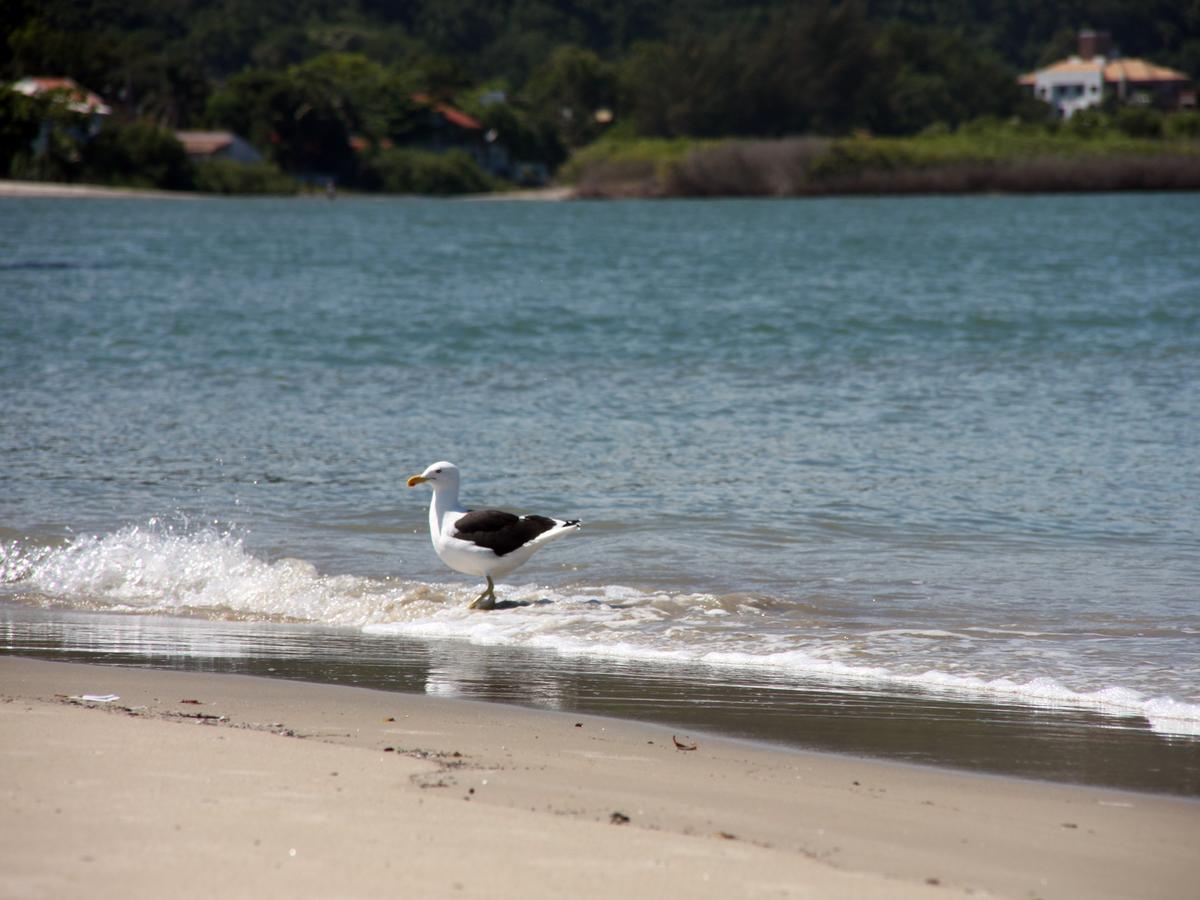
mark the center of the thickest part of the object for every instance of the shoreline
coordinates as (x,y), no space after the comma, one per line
(874,185)
(59,190)
(10,188)
(973,734)
(238,789)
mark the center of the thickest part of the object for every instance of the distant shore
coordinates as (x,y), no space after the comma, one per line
(11,188)
(194,784)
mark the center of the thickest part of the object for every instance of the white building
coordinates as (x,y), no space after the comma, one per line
(1070,85)
(1080,81)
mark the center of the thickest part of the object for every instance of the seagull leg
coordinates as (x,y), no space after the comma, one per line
(486,600)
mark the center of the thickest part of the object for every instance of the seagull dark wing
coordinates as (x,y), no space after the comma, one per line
(499,531)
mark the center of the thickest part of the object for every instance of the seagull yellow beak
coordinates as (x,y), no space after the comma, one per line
(417,479)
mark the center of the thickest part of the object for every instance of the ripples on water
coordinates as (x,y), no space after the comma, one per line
(939,439)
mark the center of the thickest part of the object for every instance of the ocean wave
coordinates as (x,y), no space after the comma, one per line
(155,569)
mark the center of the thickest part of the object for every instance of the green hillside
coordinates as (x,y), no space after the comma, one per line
(329,87)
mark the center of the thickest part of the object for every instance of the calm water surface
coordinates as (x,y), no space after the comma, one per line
(939,447)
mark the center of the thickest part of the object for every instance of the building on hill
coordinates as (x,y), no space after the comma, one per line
(89,108)
(202,146)
(1084,80)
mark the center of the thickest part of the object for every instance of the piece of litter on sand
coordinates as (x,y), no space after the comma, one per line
(96,698)
(619,818)
(680,745)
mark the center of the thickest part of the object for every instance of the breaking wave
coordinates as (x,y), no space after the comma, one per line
(154,569)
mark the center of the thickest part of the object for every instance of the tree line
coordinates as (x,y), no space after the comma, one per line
(331,86)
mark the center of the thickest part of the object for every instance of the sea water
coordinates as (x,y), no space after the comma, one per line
(942,446)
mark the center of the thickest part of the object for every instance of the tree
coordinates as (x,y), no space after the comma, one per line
(928,75)
(21,120)
(570,88)
(300,123)
(136,153)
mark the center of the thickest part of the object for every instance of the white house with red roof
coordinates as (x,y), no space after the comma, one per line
(67,91)
(1082,81)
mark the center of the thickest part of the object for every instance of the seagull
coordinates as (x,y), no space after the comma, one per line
(487,542)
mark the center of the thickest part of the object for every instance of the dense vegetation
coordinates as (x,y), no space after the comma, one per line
(322,86)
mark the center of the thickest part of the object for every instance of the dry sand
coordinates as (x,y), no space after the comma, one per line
(10,188)
(268,788)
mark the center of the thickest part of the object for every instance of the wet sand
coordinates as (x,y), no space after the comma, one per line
(266,787)
(1057,744)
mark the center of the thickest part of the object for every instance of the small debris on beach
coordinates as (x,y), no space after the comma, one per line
(1069,825)
(726,836)
(201,717)
(933,881)
(619,818)
(680,745)
(94,698)
(578,724)
(390,719)
(193,702)
(389,749)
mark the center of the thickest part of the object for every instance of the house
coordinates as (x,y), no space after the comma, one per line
(1084,80)
(65,92)
(449,128)
(202,146)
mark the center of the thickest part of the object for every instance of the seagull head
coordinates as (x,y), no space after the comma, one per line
(439,475)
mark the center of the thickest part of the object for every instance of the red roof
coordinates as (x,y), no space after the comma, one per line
(1115,70)
(204,143)
(76,96)
(449,113)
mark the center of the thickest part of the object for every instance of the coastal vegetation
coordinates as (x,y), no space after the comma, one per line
(1093,151)
(680,98)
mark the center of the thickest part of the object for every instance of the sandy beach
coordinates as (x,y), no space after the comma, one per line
(200,785)
(53,189)
(49,189)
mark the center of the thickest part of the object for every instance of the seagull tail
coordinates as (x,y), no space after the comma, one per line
(561,527)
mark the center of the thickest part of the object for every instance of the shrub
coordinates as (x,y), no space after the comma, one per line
(136,153)
(404,171)
(20,121)
(1183,125)
(1087,123)
(1139,122)
(777,168)
(224,176)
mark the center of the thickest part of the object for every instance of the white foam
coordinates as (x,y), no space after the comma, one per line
(154,569)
